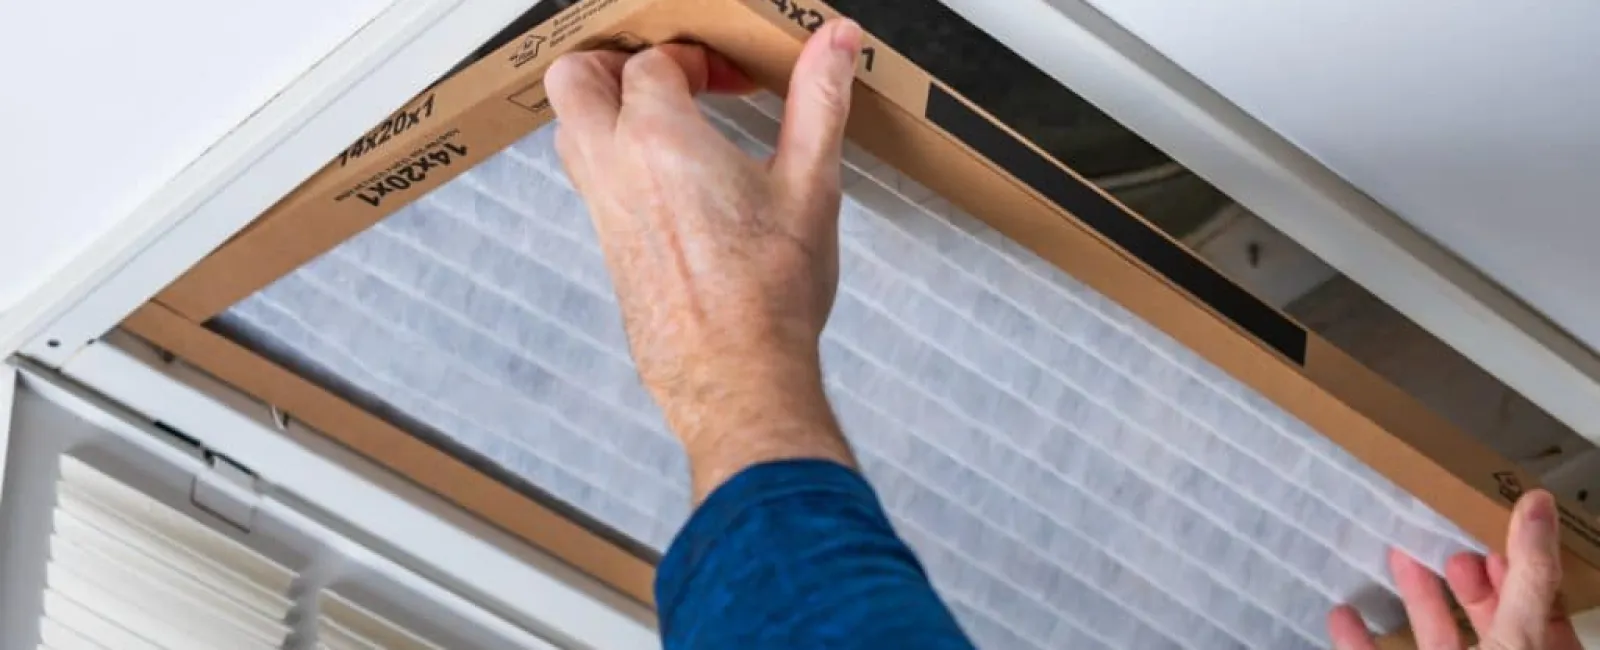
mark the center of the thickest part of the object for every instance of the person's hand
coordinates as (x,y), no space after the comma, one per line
(1510,599)
(725,266)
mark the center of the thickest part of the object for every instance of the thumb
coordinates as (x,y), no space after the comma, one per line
(809,148)
(1533,556)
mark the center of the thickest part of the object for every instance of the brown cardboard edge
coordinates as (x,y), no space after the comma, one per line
(497,95)
(1338,397)
(397,451)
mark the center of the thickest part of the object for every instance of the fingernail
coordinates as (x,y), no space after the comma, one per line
(1542,519)
(847,37)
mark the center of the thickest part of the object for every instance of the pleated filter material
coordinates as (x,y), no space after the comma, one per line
(1070,476)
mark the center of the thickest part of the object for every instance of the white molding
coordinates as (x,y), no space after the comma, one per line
(511,578)
(8,395)
(1587,624)
(1131,81)
(1575,475)
(406,47)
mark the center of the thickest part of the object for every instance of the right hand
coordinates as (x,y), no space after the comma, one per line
(1510,599)
(725,266)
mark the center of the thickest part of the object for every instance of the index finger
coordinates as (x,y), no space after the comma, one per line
(1347,631)
(1426,607)
(1468,577)
(707,71)
(585,90)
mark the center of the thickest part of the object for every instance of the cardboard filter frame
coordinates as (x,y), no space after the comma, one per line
(904,117)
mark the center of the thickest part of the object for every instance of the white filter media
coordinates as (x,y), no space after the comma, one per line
(1070,476)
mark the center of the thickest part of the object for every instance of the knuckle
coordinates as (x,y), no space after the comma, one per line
(1543,574)
(576,70)
(566,72)
(643,63)
(832,96)
(650,132)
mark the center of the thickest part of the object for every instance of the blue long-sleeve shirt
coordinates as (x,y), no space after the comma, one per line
(797,554)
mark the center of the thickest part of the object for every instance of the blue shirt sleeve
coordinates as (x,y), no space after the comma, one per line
(797,554)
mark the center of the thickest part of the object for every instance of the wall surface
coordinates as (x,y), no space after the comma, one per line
(107,100)
(1474,121)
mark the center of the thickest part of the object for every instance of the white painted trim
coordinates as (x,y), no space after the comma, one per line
(1578,474)
(8,396)
(511,578)
(386,62)
(1128,79)
(1587,624)
(155,462)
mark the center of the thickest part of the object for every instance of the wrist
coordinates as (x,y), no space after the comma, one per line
(742,392)
(752,409)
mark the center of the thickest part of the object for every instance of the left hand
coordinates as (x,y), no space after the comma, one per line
(1510,599)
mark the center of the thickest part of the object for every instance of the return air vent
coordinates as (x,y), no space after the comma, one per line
(107,548)
(126,571)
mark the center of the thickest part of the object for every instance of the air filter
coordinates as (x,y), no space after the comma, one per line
(1070,475)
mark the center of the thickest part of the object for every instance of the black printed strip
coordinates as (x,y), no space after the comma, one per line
(1134,235)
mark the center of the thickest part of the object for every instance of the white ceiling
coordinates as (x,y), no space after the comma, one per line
(118,97)
(1477,121)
